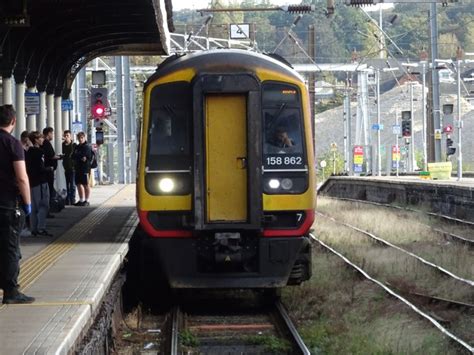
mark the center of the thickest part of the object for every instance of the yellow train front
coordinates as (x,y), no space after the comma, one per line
(226,187)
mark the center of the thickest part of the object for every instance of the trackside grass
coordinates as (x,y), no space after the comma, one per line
(339,312)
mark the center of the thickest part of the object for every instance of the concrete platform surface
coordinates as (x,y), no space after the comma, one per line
(69,273)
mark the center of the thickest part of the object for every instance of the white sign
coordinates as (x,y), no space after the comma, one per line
(396,129)
(239,31)
(32,103)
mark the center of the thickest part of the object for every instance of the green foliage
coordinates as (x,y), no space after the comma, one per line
(187,338)
(334,161)
(329,104)
(271,343)
(455,27)
(348,30)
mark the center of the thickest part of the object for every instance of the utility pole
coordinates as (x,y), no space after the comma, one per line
(412,143)
(423,107)
(397,145)
(435,108)
(379,158)
(459,54)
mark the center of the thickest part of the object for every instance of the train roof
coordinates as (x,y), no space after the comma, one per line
(224,60)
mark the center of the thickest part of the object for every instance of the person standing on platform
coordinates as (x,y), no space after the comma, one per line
(15,203)
(26,143)
(38,176)
(82,163)
(50,160)
(68,164)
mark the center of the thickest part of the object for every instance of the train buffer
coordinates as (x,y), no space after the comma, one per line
(69,273)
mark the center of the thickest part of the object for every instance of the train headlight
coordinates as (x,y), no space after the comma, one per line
(166,185)
(286,184)
(274,183)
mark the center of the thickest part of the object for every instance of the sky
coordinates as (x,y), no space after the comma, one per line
(203,4)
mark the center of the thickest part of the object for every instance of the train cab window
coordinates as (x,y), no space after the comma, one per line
(169,138)
(282,124)
(168,131)
(284,159)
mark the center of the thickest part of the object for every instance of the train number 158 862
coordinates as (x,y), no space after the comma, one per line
(285,160)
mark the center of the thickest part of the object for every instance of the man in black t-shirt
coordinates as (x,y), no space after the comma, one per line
(15,203)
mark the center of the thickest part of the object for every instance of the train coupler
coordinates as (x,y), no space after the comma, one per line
(228,249)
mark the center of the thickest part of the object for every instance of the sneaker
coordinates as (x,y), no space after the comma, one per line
(17,298)
(25,233)
(44,233)
(86,203)
(79,203)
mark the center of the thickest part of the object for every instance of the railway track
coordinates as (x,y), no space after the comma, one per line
(268,330)
(445,234)
(386,243)
(434,320)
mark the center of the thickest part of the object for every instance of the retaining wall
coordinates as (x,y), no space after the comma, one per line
(435,196)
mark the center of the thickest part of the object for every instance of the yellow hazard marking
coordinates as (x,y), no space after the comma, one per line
(34,267)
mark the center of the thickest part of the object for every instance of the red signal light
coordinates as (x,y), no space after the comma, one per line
(98,110)
(448,128)
(98,103)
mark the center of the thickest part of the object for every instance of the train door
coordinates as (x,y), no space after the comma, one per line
(226,158)
(227,152)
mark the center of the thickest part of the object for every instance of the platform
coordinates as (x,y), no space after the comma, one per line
(69,273)
(448,197)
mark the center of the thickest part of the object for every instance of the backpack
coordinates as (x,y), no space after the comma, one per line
(93,161)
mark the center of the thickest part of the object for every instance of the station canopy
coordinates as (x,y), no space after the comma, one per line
(46,42)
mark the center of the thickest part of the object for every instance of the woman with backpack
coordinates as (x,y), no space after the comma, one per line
(82,157)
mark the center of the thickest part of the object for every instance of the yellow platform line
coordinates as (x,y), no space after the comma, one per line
(35,266)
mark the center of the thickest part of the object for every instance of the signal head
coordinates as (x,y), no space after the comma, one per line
(448,129)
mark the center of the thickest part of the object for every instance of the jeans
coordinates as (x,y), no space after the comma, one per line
(11,223)
(70,186)
(50,179)
(39,207)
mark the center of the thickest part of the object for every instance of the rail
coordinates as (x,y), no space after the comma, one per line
(396,295)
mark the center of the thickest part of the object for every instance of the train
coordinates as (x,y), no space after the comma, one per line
(225,174)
